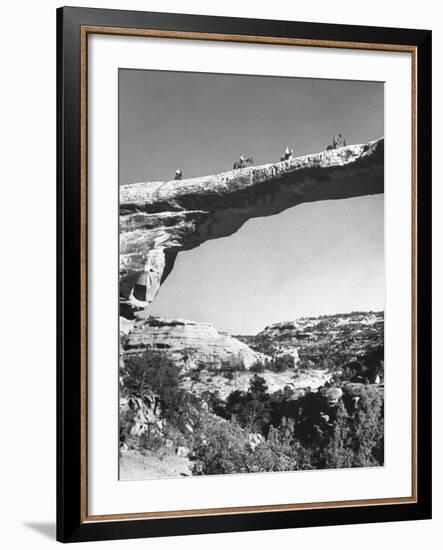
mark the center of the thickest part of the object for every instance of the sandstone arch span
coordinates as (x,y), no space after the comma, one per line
(158,219)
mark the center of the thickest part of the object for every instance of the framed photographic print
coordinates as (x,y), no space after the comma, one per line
(244,274)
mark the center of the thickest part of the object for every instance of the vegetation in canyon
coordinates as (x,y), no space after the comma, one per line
(257,428)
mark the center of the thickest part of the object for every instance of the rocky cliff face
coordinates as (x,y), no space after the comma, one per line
(158,219)
(191,345)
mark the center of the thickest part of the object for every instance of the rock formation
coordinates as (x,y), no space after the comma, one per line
(158,219)
(347,336)
(190,345)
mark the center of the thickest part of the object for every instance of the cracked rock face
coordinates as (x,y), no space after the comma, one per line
(158,219)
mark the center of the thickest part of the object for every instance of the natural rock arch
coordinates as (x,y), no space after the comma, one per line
(158,219)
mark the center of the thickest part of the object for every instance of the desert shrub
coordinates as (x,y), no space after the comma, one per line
(280,452)
(224,449)
(257,367)
(374,357)
(305,364)
(347,440)
(358,440)
(281,363)
(305,441)
(221,448)
(154,372)
(374,360)
(364,369)
(213,401)
(151,439)
(332,448)
(353,371)
(282,395)
(232,365)
(332,437)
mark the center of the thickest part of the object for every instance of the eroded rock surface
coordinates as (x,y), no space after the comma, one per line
(345,336)
(158,219)
(190,344)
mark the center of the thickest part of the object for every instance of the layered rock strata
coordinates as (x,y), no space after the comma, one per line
(159,219)
(190,345)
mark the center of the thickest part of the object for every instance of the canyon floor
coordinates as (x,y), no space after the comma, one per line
(288,361)
(135,464)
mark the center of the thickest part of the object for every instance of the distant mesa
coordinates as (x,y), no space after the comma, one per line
(159,219)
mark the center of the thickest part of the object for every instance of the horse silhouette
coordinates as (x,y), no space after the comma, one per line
(243,163)
(287,155)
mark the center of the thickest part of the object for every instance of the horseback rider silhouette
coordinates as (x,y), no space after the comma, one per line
(243,162)
(288,154)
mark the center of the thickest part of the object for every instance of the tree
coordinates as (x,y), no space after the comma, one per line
(250,409)
(280,452)
(283,362)
(352,441)
(336,450)
(224,449)
(257,367)
(221,448)
(153,372)
(368,429)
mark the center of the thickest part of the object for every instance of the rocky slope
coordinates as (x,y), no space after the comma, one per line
(320,340)
(158,219)
(297,381)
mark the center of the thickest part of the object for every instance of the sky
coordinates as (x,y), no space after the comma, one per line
(318,258)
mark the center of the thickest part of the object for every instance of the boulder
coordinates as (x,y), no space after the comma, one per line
(183,451)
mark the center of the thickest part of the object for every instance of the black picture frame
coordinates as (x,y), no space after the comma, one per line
(71,523)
